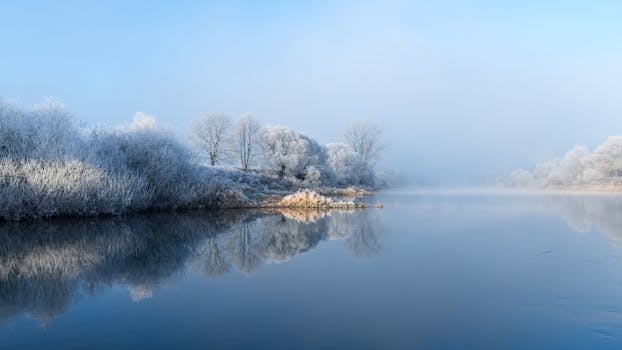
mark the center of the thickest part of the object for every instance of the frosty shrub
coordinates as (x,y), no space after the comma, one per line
(49,167)
(47,132)
(348,167)
(17,132)
(288,153)
(35,188)
(153,152)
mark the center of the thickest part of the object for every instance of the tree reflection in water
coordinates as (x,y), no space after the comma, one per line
(46,266)
(586,212)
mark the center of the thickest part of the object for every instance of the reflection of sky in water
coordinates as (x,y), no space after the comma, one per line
(428,271)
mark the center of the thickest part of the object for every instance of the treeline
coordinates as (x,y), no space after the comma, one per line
(577,169)
(287,153)
(49,166)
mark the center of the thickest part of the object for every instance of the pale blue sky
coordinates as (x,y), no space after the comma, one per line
(465,90)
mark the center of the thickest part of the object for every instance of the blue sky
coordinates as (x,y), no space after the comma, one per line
(464,90)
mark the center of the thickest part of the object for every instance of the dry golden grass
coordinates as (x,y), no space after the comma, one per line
(312,200)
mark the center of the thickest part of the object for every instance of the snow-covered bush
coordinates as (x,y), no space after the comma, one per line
(154,153)
(520,178)
(49,167)
(313,176)
(17,132)
(57,134)
(348,167)
(44,188)
(47,132)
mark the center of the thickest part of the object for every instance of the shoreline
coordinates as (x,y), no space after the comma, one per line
(307,199)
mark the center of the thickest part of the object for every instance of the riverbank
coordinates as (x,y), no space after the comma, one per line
(52,167)
(76,190)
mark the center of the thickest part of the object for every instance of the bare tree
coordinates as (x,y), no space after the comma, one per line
(245,140)
(364,138)
(210,134)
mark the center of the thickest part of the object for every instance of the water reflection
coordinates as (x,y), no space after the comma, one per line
(46,266)
(584,213)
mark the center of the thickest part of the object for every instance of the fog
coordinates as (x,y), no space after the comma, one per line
(465,93)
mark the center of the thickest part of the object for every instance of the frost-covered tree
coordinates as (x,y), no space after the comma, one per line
(210,134)
(46,132)
(17,132)
(245,140)
(349,167)
(288,153)
(282,149)
(578,167)
(57,135)
(364,138)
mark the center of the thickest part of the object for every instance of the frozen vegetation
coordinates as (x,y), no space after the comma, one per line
(49,166)
(579,169)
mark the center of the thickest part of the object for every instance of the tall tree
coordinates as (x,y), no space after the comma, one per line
(245,140)
(210,134)
(364,138)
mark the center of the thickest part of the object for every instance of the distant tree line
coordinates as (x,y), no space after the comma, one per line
(578,168)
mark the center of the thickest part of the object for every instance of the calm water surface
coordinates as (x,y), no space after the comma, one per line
(432,270)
